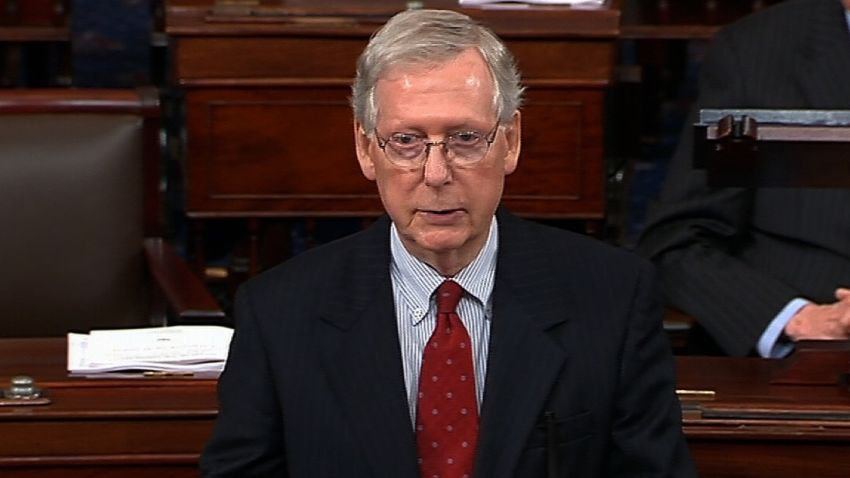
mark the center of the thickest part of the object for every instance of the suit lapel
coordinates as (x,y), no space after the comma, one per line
(363,360)
(826,75)
(524,360)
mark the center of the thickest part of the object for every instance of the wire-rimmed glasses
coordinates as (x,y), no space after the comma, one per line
(462,148)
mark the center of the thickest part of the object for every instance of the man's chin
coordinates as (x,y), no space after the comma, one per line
(437,243)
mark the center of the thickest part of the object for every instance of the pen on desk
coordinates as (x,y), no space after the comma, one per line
(693,394)
(164,373)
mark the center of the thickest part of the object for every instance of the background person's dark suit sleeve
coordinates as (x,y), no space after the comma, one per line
(732,257)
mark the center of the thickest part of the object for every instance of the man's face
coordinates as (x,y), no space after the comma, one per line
(442,212)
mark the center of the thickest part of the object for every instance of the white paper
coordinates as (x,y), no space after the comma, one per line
(186,348)
(532,2)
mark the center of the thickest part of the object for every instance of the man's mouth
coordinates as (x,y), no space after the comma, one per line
(441,212)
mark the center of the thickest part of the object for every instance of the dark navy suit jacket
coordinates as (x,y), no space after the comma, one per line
(314,388)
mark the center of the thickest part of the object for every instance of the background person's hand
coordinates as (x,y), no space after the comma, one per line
(822,321)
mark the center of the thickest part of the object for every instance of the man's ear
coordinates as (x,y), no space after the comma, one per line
(362,142)
(513,136)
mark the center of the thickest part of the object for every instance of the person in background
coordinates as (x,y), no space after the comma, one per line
(450,338)
(761,268)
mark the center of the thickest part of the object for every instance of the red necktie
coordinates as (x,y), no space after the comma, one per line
(447,410)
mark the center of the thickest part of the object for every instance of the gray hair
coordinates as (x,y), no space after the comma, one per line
(432,37)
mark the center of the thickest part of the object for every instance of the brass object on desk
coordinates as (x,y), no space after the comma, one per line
(23,392)
(695,395)
(691,401)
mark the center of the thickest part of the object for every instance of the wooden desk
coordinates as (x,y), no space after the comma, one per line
(157,428)
(100,427)
(269,126)
(754,429)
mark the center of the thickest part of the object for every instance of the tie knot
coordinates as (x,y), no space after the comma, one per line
(448,295)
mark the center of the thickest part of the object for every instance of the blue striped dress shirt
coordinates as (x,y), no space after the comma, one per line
(414,283)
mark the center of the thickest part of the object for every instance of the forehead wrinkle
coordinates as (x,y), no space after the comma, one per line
(413,81)
(418,75)
(426,81)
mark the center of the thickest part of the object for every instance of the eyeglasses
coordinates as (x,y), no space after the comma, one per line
(462,148)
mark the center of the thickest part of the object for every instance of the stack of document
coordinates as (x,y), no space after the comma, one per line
(180,350)
(533,2)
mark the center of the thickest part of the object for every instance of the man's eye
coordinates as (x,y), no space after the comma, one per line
(466,137)
(405,139)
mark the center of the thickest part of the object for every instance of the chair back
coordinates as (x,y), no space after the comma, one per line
(79,173)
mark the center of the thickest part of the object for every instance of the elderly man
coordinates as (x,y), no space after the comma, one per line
(449,339)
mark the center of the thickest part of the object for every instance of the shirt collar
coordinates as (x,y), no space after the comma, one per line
(417,280)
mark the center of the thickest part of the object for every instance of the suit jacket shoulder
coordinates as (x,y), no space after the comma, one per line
(558,252)
(321,276)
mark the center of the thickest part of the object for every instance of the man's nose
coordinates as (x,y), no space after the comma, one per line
(437,170)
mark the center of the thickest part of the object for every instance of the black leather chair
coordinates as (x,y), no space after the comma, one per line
(81,216)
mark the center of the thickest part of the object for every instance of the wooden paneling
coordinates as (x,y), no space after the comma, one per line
(303,163)
(269,127)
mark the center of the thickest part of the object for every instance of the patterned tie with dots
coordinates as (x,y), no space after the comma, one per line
(447,410)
